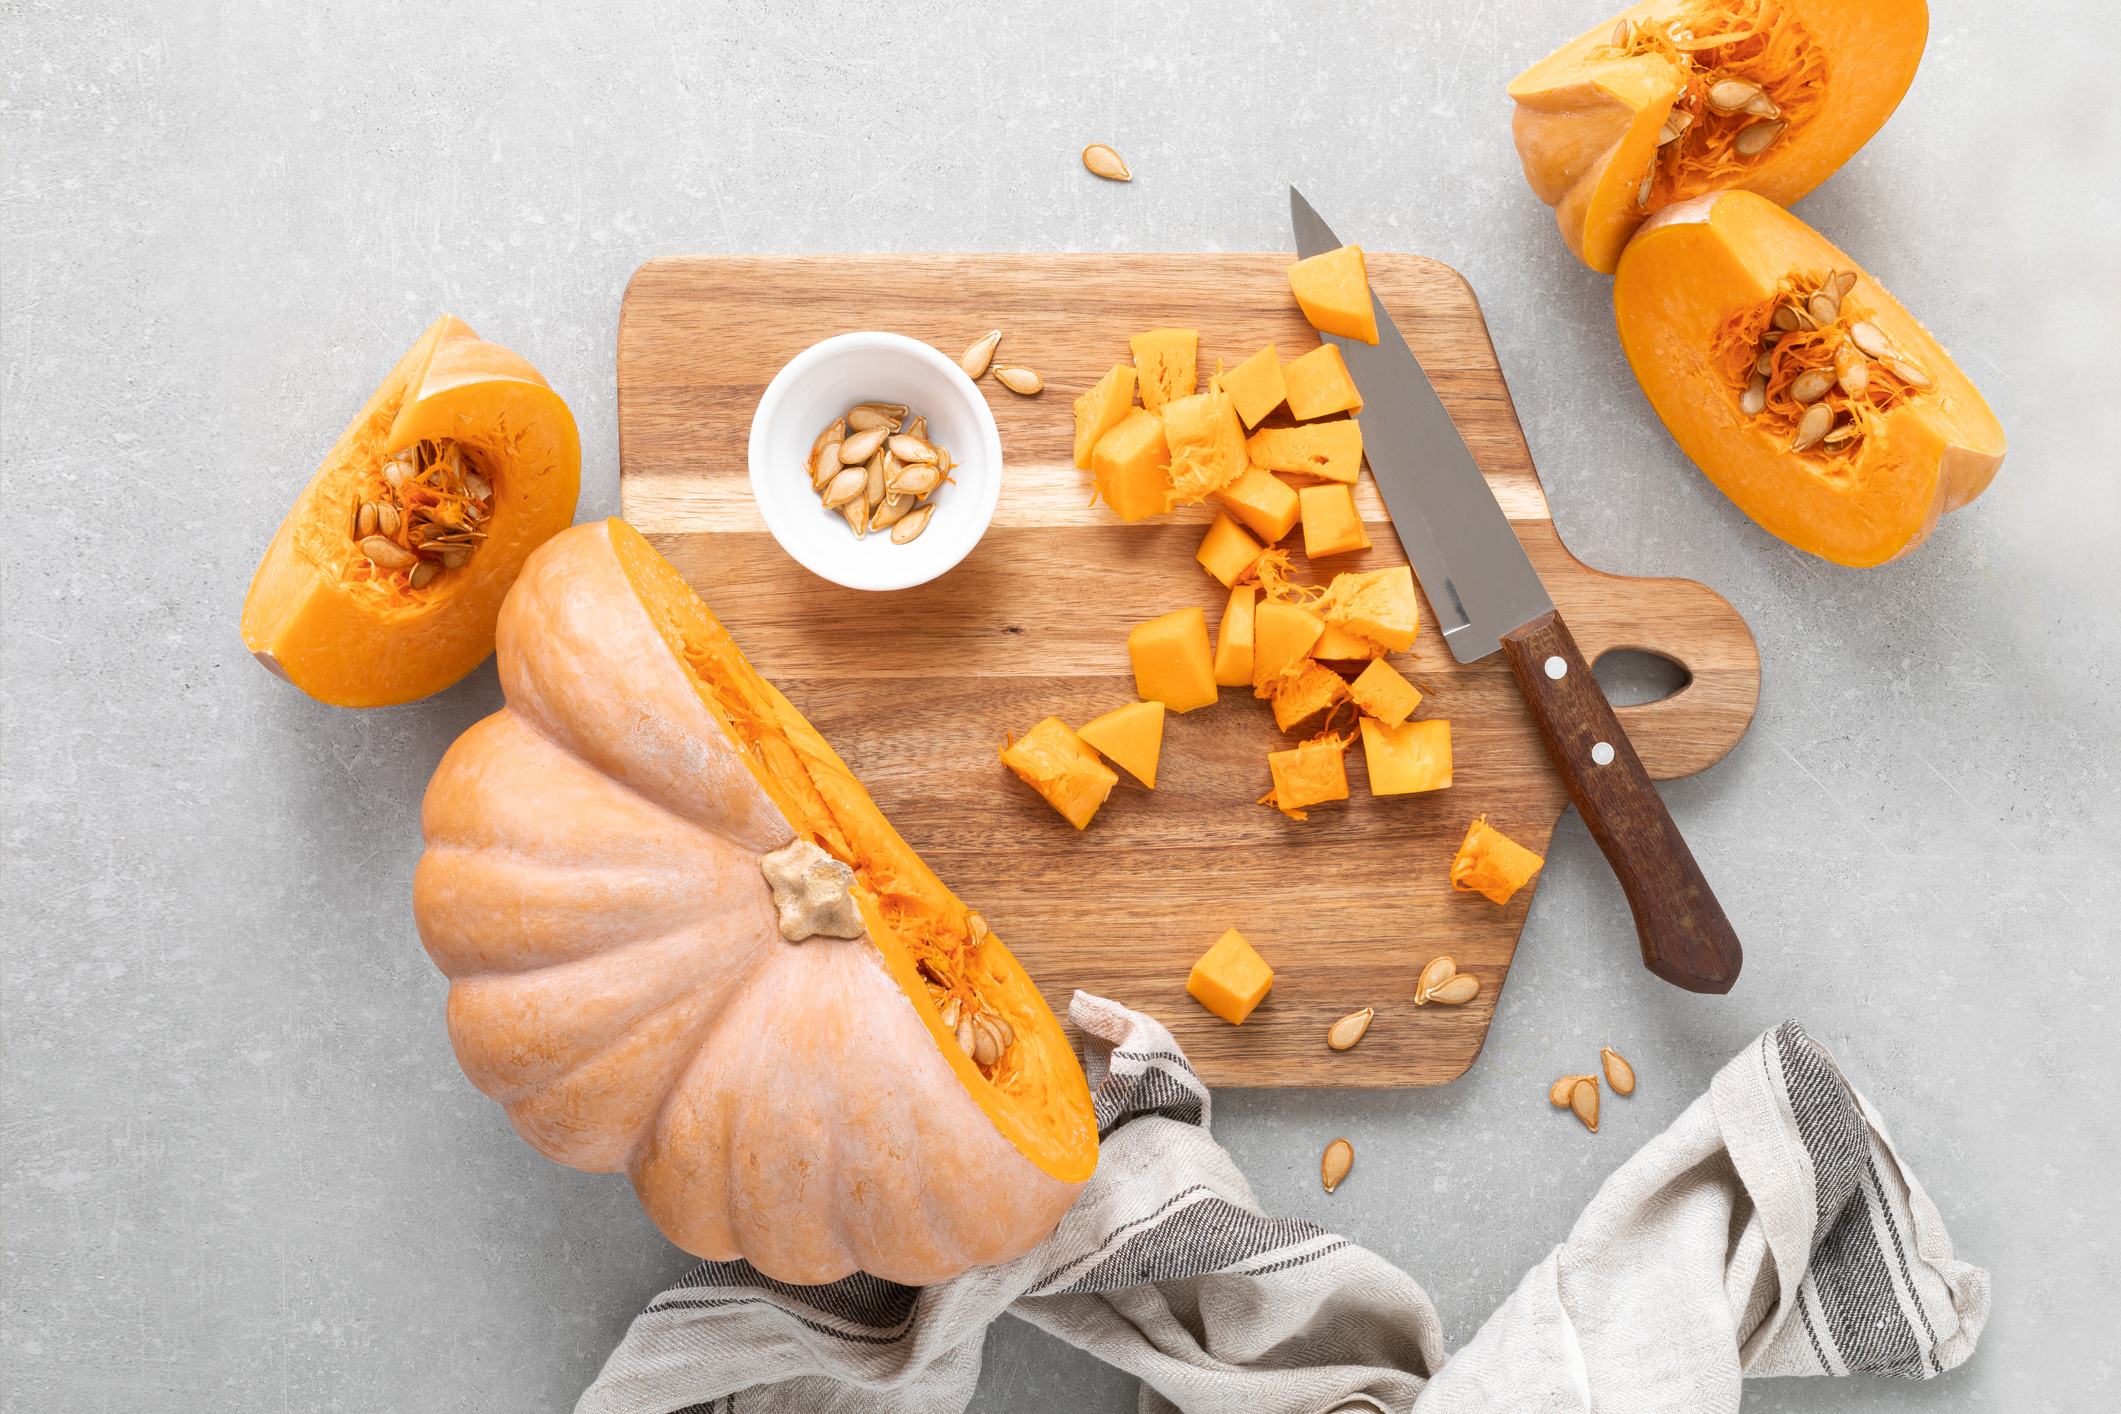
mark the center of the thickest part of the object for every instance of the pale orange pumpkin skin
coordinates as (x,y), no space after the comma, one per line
(618,981)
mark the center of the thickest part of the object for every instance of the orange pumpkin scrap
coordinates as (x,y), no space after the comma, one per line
(1340,646)
(1132,466)
(1377,604)
(1255,386)
(1263,502)
(1334,290)
(1165,359)
(1233,638)
(1491,863)
(1226,551)
(1413,756)
(1230,979)
(1329,450)
(1382,693)
(1308,774)
(1316,689)
(1101,409)
(1331,524)
(683,943)
(1057,764)
(383,584)
(1319,384)
(1796,383)
(1282,635)
(1668,102)
(1172,662)
(1207,445)
(1133,736)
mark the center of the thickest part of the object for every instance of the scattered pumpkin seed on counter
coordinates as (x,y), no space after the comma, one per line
(874,465)
(1334,1164)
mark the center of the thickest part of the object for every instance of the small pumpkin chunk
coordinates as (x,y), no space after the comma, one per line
(1331,526)
(1207,445)
(1233,638)
(1101,409)
(1165,359)
(1132,464)
(1382,693)
(1338,645)
(1377,604)
(1057,764)
(1172,664)
(1334,290)
(1255,386)
(1132,736)
(1263,502)
(1308,775)
(1491,863)
(1315,690)
(1331,451)
(1319,384)
(1282,635)
(1413,756)
(1230,979)
(1226,551)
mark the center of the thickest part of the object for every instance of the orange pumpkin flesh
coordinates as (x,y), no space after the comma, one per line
(592,889)
(1695,291)
(1590,116)
(324,617)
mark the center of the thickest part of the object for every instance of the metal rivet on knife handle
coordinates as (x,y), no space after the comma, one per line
(1557,668)
(1602,753)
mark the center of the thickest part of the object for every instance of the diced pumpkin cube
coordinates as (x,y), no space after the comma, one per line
(1282,635)
(1102,409)
(1132,464)
(1383,693)
(1172,664)
(1262,501)
(1307,775)
(1331,526)
(1334,290)
(1342,646)
(1331,451)
(1233,638)
(1133,736)
(1207,445)
(1377,604)
(1164,359)
(1413,756)
(1318,384)
(1491,863)
(1255,386)
(1227,551)
(1230,979)
(1315,689)
(1057,764)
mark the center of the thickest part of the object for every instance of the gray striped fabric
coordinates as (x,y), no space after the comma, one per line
(1770,1231)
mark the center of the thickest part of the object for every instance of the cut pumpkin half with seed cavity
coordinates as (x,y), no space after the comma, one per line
(1671,99)
(1797,383)
(639,878)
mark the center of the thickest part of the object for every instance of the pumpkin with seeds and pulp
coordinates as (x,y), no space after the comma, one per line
(1675,98)
(684,944)
(384,581)
(1797,383)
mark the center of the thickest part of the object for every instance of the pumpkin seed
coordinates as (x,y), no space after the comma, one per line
(1456,992)
(1731,95)
(1784,319)
(976,929)
(1642,193)
(455,559)
(389,519)
(395,473)
(1842,283)
(918,480)
(918,428)
(1754,402)
(1909,373)
(365,521)
(1813,426)
(966,1039)
(986,1044)
(1106,163)
(1618,1073)
(1870,338)
(1349,1029)
(1334,1164)
(979,354)
(1558,1093)
(1765,364)
(873,488)
(1020,380)
(1811,385)
(1000,1023)
(1855,377)
(860,446)
(909,528)
(423,573)
(950,1013)
(868,419)
(1762,106)
(1667,135)
(1438,972)
(1756,139)
(1823,307)
(890,510)
(826,467)
(1623,33)
(909,448)
(836,432)
(387,553)
(846,486)
(1584,1100)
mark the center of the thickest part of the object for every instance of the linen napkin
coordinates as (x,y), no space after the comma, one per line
(1772,1230)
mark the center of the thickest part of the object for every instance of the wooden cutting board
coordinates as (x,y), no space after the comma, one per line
(917,688)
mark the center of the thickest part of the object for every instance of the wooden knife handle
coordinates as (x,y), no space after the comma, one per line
(1685,938)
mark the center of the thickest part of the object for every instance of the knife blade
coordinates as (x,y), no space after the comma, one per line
(1486,595)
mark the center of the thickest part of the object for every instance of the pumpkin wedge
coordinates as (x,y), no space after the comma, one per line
(384,581)
(641,878)
(1797,383)
(1672,99)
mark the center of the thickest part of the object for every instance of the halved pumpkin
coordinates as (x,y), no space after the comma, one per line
(1715,305)
(595,887)
(414,611)
(1627,118)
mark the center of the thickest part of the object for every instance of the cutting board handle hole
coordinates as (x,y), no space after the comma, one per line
(1631,677)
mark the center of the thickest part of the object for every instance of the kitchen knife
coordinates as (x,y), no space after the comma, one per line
(1486,595)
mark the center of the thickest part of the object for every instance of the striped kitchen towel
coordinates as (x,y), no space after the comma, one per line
(1772,1230)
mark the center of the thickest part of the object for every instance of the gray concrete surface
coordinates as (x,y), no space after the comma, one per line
(242,1170)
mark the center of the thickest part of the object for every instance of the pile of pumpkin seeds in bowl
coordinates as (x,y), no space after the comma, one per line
(427,516)
(875,465)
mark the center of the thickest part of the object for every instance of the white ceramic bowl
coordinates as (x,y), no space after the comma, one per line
(820,384)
